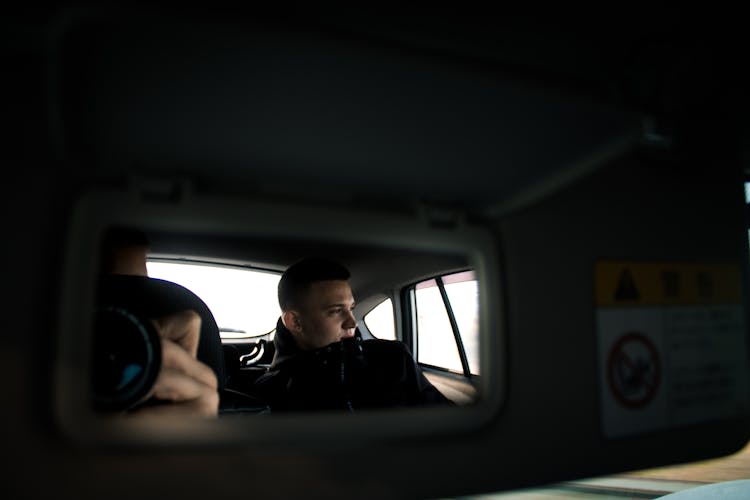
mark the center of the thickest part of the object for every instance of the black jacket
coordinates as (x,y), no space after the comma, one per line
(349,375)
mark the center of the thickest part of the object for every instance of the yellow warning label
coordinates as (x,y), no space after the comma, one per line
(634,283)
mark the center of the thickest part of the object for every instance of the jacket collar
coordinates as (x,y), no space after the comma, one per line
(286,347)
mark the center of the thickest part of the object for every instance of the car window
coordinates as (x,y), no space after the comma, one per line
(380,322)
(463,293)
(243,301)
(446,317)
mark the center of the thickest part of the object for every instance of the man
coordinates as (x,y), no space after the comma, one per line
(184,385)
(321,361)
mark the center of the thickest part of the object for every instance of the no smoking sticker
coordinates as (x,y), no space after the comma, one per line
(634,370)
(671,344)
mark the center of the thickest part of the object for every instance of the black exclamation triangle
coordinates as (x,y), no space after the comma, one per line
(626,289)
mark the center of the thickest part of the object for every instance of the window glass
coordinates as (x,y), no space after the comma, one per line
(463,294)
(435,343)
(244,302)
(380,321)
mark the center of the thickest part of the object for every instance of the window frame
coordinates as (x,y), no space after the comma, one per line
(409,322)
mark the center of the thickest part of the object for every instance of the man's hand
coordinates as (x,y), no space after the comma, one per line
(184,385)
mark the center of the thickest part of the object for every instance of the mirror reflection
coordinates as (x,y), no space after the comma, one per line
(271,326)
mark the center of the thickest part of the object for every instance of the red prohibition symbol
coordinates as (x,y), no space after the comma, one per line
(634,370)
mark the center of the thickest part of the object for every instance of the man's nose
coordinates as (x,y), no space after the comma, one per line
(350,321)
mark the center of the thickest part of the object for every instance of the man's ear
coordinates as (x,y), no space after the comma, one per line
(291,322)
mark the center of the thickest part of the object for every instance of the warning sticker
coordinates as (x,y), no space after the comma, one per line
(652,283)
(672,346)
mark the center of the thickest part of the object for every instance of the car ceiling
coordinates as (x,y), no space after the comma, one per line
(451,106)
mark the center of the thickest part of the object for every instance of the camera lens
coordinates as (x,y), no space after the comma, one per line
(126,358)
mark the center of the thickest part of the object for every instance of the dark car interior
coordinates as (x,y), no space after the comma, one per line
(556,153)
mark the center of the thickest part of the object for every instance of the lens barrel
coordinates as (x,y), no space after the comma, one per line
(126,359)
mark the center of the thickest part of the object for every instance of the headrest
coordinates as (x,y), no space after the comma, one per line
(154,298)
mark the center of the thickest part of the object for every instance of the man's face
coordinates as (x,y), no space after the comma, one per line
(326,316)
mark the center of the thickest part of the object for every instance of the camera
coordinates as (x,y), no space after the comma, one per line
(126,359)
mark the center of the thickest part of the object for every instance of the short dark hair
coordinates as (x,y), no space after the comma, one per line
(299,276)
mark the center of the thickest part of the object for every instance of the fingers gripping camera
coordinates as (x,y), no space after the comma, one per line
(149,366)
